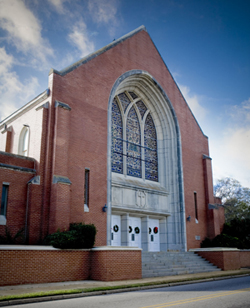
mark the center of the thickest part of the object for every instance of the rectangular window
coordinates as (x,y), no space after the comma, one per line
(86,188)
(195,206)
(4,199)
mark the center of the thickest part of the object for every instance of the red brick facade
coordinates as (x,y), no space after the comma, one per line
(73,133)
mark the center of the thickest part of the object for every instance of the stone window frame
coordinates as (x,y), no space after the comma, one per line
(141,120)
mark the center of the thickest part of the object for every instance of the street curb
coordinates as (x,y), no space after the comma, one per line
(103,292)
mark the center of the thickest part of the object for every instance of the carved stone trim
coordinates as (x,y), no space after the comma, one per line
(140,197)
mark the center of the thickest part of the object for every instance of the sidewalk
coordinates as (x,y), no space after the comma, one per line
(126,285)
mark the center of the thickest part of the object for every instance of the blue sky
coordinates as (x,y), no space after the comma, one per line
(205,44)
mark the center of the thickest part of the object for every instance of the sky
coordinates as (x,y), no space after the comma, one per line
(204,43)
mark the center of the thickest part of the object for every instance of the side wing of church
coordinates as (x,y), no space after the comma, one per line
(111,142)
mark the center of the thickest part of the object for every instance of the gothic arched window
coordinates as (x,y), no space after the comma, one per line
(134,139)
(24,141)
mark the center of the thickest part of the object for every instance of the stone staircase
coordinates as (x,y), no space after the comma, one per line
(157,264)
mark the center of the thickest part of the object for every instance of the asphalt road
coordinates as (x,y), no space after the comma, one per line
(229,293)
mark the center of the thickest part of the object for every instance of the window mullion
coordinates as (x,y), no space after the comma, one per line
(124,137)
(142,151)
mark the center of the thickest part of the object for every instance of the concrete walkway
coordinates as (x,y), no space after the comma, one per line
(86,284)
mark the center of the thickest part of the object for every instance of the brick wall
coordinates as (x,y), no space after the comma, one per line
(110,265)
(17,192)
(37,266)
(17,160)
(245,258)
(224,259)
(43,265)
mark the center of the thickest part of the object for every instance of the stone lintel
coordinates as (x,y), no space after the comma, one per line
(35,180)
(45,106)
(206,157)
(62,105)
(61,179)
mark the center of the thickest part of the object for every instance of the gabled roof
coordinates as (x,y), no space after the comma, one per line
(97,53)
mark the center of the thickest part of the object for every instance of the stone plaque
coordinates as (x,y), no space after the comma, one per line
(140,198)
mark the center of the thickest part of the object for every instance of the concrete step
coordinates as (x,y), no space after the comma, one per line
(156,264)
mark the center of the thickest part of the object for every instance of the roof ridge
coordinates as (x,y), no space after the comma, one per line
(97,53)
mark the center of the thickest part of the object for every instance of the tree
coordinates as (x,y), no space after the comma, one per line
(235,198)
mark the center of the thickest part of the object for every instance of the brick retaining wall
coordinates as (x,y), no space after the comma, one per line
(245,258)
(226,258)
(40,264)
(110,265)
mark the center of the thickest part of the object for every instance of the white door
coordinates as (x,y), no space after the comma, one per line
(115,230)
(135,231)
(154,235)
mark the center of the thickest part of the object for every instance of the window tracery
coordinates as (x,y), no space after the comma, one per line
(117,139)
(133,149)
(133,144)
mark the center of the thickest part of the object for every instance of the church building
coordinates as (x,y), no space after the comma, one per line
(112,142)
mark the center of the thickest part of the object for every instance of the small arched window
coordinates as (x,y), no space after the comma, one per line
(24,141)
(134,139)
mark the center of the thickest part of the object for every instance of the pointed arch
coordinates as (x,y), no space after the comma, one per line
(117,139)
(164,125)
(133,144)
(150,144)
(23,148)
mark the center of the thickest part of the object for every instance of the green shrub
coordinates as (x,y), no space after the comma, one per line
(234,234)
(8,238)
(79,236)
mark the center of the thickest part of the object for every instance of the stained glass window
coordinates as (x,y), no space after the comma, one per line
(117,142)
(134,150)
(150,143)
(133,144)
(124,100)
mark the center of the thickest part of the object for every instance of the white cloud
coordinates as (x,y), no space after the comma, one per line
(241,113)
(231,149)
(104,12)
(58,5)
(23,29)
(13,92)
(193,101)
(79,38)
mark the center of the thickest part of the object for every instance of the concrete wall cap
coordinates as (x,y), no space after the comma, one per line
(107,248)
(26,247)
(214,249)
(37,247)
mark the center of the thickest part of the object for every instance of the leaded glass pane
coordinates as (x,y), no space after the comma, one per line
(117,143)
(150,143)
(142,108)
(133,144)
(133,95)
(124,100)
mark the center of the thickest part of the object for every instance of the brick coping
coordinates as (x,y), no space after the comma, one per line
(115,248)
(215,249)
(40,247)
